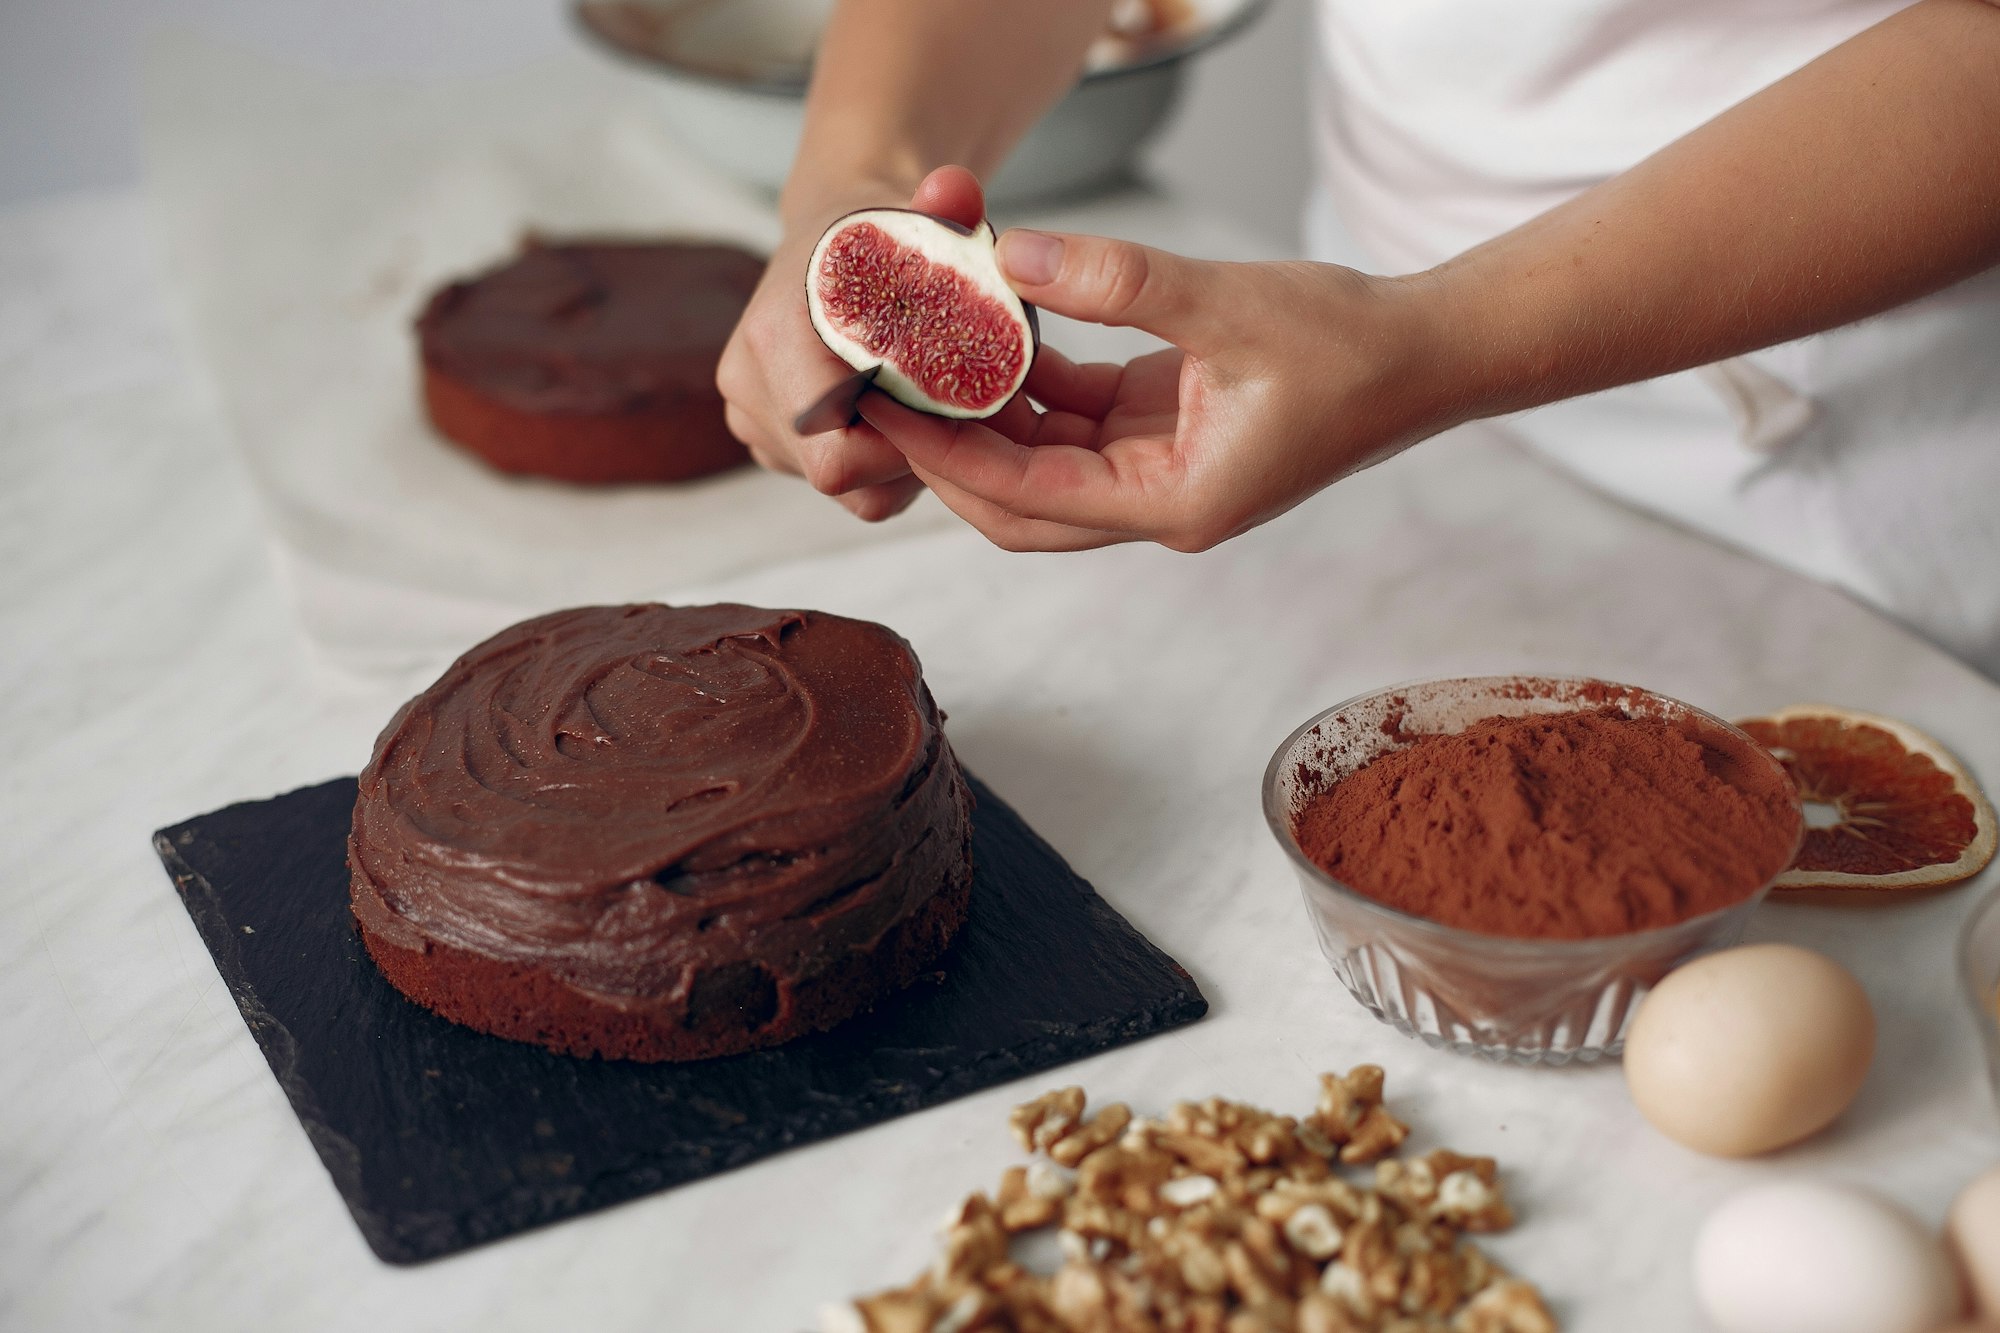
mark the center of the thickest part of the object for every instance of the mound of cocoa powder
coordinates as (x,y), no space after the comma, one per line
(1558,826)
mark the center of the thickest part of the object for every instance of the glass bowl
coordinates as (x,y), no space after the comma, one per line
(1530,1001)
(1979,969)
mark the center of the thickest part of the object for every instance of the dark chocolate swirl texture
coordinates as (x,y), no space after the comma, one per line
(661,832)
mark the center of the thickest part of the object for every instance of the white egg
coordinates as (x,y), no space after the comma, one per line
(1803,1257)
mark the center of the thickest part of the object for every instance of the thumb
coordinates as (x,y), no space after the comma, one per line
(1102,281)
(952,193)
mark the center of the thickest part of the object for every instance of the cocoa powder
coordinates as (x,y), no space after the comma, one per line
(1558,826)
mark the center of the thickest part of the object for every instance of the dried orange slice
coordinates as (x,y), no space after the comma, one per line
(1905,814)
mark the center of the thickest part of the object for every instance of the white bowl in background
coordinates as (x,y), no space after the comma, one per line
(732,76)
(1979,972)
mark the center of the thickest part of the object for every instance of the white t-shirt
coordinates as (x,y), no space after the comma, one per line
(1868,456)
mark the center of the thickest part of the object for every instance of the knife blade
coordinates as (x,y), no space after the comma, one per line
(835,408)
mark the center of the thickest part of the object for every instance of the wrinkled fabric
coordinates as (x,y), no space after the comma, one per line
(1867,457)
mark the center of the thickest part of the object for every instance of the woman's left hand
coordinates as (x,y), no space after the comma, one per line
(1281,378)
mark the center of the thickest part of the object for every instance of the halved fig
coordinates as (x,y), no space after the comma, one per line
(920,302)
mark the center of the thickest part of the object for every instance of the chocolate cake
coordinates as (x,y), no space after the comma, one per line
(589,361)
(663,833)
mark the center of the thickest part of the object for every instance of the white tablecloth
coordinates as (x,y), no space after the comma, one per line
(152,1175)
(307,216)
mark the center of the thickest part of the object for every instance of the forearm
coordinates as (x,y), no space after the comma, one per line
(902,86)
(1867,179)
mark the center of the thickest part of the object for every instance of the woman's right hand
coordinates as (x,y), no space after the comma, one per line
(775,366)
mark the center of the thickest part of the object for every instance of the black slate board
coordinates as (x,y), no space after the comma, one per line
(440,1138)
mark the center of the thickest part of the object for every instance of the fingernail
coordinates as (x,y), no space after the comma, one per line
(1031,257)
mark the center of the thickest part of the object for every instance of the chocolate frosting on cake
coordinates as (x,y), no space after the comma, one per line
(639,798)
(593,326)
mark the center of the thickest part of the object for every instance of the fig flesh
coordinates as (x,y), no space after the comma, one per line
(919,301)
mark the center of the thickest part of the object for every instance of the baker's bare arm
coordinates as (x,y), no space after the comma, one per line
(903,86)
(1864,180)
(899,87)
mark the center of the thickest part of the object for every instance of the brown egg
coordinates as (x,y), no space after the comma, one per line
(1972,1229)
(1750,1049)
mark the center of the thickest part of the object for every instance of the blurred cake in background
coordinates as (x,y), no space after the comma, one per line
(589,361)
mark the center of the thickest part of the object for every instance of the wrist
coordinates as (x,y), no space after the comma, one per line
(821,187)
(1495,334)
(808,211)
(1433,365)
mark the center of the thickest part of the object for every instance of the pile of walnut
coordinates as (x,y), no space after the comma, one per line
(1221,1219)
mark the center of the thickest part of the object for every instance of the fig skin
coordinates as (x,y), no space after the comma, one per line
(827,413)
